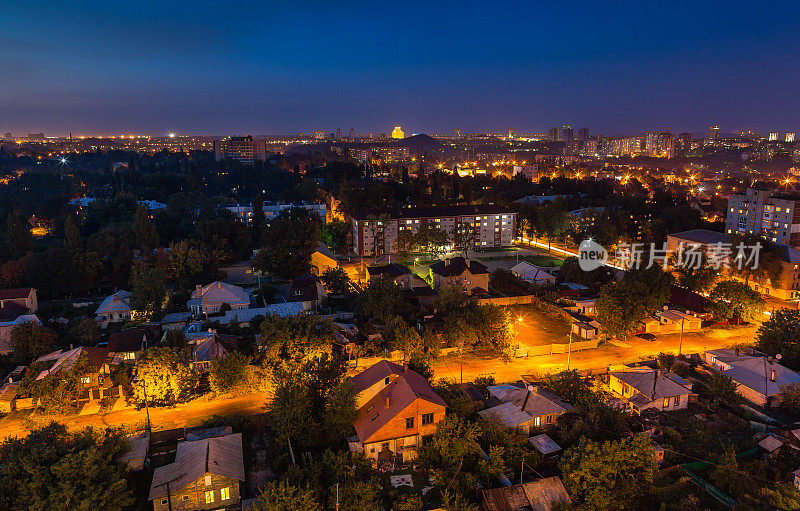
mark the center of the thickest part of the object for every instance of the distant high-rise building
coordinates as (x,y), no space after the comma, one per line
(583,134)
(659,144)
(512,133)
(553,133)
(789,137)
(320,135)
(457,132)
(338,135)
(8,136)
(397,132)
(683,144)
(35,136)
(567,134)
(773,136)
(244,149)
(771,214)
(352,134)
(713,132)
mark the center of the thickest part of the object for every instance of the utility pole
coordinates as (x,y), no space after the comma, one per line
(569,346)
(337,496)
(521,469)
(461,358)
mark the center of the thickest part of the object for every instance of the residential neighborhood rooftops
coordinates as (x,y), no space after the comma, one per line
(652,385)
(220,455)
(457,265)
(383,369)
(507,414)
(118,302)
(702,236)
(546,494)
(392,269)
(65,359)
(443,211)
(757,373)
(533,400)
(544,444)
(219,292)
(15,293)
(130,340)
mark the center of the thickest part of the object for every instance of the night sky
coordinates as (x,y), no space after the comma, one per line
(282,67)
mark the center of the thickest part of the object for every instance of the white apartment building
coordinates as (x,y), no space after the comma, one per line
(244,149)
(490,226)
(271,210)
(773,216)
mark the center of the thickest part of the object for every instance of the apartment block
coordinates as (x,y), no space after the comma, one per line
(489,225)
(771,215)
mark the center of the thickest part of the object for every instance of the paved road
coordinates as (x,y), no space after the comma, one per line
(189,414)
(602,357)
(195,412)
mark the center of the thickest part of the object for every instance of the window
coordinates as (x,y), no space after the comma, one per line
(163,502)
(666,402)
(409,422)
(225,493)
(385,446)
(86,380)
(549,419)
(208,480)
(427,418)
(425,439)
(676,401)
(537,421)
(210,497)
(386,381)
(185,498)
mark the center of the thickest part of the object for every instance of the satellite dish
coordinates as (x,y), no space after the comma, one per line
(666,307)
(778,356)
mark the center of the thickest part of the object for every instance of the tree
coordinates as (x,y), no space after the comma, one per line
(229,372)
(381,299)
(463,240)
(53,468)
(484,329)
(58,392)
(432,239)
(144,230)
(87,332)
(406,243)
(335,234)
(657,282)
(357,496)
(148,292)
(722,389)
(621,306)
(72,236)
(283,496)
(30,340)
(609,475)
(790,399)
(732,299)
(295,339)
(188,262)
(18,237)
(552,222)
(336,281)
(258,220)
(451,455)
(572,388)
(162,378)
(287,244)
(781,334)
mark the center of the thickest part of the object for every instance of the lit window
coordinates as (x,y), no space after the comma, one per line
(666,402)
(210,497)
(86,380)
(536,421)
(225,493)
(208,480)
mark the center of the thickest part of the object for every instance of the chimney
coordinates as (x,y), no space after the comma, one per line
(388,401)
(533,389)
(737,351)
(70,347)
(467,262)
(198,287)
(772,375)
(219,285)
(405,366)
(447,262)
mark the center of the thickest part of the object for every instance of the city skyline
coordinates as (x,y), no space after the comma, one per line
(280,69)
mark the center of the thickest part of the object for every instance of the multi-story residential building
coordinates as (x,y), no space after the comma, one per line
(659,144)
(489,226)
(273,209)
(626,146)
(397,411)
(529,171)
(774,216)
(392,153)
(244,149)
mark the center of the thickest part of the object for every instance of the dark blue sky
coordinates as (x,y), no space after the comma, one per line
(281,67)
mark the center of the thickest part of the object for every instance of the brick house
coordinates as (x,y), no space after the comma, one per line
(458,271)
(397,411)
(127,345)
(205,475)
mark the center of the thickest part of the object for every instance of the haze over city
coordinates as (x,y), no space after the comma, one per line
(282,67)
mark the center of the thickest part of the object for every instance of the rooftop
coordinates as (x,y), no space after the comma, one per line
(457,265)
